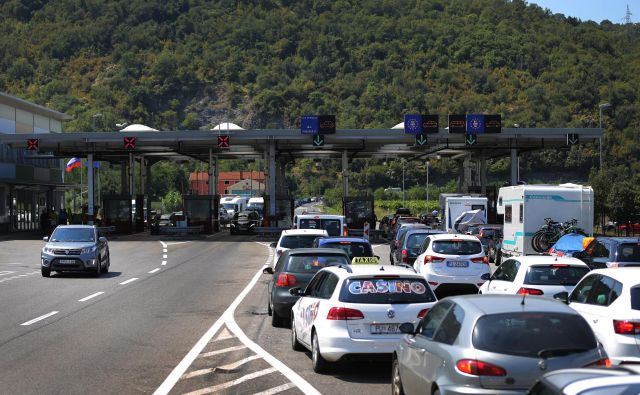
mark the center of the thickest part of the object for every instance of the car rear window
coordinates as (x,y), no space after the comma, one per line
(408,220)
(488,232)
(383,290)
(351,248)
(635,298)
(555,274)
(527,333)
(302,241)
(332,226)
(457,247)
(629,252)
(313,263)
(414,241)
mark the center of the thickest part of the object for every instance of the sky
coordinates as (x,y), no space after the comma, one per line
(594,10)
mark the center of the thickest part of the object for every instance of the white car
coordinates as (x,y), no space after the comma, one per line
(296,238)
(351,312)
(452,264)
(609,300)
(535,275)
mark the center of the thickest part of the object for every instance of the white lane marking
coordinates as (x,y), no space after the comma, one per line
(6,272)
(164,263)
(42,317)
(223,351)
(176,243)
(263,243)
(90,296)
(227,317)
(154,270)
(129,281)
(225,368)
(224,335)
(34,272)
(22,275)
(277,389)
(216,388)
(164,250)
(164,256)
(164,245)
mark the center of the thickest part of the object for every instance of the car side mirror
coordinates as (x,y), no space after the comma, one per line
(45,239)
(406,328)
(296,291)
(102,239)
(273,245)
(267,270)
(486,277)
(562,296)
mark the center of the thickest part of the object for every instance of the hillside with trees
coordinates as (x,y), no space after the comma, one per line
(190,64)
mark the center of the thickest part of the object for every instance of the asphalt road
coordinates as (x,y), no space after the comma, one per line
(128,331)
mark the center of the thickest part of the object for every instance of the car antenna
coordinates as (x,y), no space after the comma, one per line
(382,268)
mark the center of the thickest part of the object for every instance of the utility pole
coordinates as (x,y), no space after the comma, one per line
(627,16)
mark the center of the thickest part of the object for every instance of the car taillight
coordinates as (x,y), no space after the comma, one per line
(344,314)
(529,291)
(345,231)
(606,362)
(405,257)
(422,313)
(626,327)
(286,280)
(483,259)
(432,259)
(479,368)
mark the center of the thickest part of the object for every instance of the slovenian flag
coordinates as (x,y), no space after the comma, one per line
(73,163)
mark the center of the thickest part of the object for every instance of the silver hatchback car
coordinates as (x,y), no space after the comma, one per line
(75,248)
(492,344)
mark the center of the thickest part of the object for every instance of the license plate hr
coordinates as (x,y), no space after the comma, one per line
(457,263)
(383,329)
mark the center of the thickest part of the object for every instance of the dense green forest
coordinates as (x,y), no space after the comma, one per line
(190,64)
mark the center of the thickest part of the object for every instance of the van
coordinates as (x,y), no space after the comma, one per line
(256,203)
(233,204)
(335,225)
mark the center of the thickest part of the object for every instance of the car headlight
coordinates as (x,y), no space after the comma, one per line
(47,250)
(88,250)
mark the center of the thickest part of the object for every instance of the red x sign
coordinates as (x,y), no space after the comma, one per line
(32,144)
(223,141)
(129,143)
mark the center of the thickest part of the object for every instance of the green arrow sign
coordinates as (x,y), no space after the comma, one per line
(421,140)
(470,139)
(318,140)
(573,139)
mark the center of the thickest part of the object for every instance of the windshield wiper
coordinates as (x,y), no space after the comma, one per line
(559,352)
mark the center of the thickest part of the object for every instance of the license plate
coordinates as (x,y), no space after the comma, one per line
(383,329)
(70,261)
(457,263)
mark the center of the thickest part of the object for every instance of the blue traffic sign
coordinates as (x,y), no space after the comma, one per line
(413,123)
(475,123)
(309,124)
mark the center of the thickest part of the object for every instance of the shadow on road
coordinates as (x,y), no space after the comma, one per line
(86,275)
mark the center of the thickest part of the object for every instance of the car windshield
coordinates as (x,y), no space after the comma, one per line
(72,234)
(457,247)
(332,226)
(487,232)
(555,274)
(228,206)
(302,241)
(629,252)
(165,216)
(527,333)
(351,248)
(313,263)
(382,290)
(414,241)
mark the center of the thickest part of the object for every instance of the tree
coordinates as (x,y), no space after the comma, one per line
(172,201)
(623,202)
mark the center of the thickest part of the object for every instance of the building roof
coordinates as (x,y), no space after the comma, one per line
(35,108)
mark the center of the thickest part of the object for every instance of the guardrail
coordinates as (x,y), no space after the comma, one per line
(181,230)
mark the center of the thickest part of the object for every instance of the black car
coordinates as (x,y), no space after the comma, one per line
(402,229)
(295,268)
(410,243)
(245,221)
(162,221)
(605,252)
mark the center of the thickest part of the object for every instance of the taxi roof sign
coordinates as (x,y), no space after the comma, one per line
(366,260)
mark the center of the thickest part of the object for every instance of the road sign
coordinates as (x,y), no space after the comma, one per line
(573,139)
(327,124)
(430,124)
(470,139)
(318,140)
(492,123)
(413,123)
(129,143)
(309,124)
(32,144)
(475,123)
(421,140)
(223,141)
(457,123)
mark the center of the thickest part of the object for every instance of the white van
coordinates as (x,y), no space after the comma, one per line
(335,225)
(233,204)
(256,203)
(455,206)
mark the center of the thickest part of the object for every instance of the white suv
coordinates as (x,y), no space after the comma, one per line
(452,264)
(296,238)
(351,312)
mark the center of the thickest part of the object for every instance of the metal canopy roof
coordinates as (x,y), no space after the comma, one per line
(360,143)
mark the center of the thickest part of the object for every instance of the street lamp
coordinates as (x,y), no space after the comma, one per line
(402,160)
(601,107)
(427,180)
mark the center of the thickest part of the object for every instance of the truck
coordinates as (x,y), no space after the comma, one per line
(525,208)
(453,206)
(357,211)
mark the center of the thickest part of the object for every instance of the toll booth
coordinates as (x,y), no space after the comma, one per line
(118,212)
(284,211)
(140,213)
(357,210)
(202,210)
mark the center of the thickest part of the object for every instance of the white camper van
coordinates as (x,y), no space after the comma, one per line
(525,208)
(256,203)
(455,206)
(233,204)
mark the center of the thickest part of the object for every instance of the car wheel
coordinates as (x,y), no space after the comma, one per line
(319,364)
(295,344)
(396,380)
(269,309)
(46,272)
(276,320)
(105,269)
(98,267)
